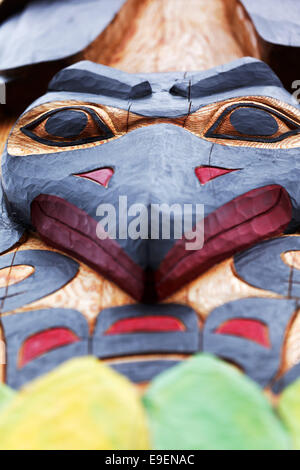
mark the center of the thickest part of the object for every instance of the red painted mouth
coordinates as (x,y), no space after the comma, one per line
(64,226)
(146,324)
(242,222)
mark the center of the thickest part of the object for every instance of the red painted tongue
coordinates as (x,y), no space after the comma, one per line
(207,173)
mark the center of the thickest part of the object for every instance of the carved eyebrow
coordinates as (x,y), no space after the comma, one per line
(252,74)
(107,82)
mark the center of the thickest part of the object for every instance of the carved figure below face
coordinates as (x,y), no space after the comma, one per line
(215,138)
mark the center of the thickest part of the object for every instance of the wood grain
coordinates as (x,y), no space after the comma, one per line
(2,356)
(6,123)
(216,287)
(168,35)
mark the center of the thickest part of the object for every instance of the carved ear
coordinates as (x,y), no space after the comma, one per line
(10,230)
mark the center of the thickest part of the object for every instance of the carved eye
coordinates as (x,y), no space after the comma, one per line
(66,127)
(252,123)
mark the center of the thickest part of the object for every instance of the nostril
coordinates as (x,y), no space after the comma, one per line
(101,176)
(207,173)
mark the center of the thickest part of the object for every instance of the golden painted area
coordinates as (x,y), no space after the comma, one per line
(6,123)
(292,344)
(2,356)
(150,357)
(14,274)
(292,259)
(216,287)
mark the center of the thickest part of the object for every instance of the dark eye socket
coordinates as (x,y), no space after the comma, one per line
(252,123)
(68,126)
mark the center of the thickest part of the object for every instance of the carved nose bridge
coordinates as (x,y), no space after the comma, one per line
(175,156)
(157,162)
(164,145)
(159,158)
(162,159)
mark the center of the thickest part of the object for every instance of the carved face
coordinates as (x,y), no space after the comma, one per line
(227,139)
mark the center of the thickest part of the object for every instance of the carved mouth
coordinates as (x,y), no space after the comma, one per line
(146,324)
(70,229)
(246,220)
(242,222)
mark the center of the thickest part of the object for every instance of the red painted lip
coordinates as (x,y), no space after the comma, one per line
(242,222)
(64,226)
(248,219)
(146,324)
(247,328)
(44,342)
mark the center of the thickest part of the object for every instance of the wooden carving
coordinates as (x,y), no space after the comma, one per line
(157,110)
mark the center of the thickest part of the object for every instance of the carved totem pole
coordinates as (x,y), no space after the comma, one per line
(156,106)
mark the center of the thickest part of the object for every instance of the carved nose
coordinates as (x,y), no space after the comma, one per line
(207,173)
